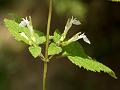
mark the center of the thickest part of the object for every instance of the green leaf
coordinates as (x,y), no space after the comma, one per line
(39,39)
(35,51)
(91,65)
(54,49)
(57,36)
(15,31)
(115,0)
(74,49)
(77,56)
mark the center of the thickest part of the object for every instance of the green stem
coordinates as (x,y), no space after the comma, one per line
(48,30)
(44,75)
(47,45)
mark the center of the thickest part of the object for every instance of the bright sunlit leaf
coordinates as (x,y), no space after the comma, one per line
(35,51)
(54,49)
(57,36)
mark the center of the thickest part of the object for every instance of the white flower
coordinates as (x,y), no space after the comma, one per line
(79,36)
(28,24)
(24,23)
(69,24)
(84,37)
(75,21)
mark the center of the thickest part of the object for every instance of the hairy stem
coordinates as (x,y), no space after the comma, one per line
(47,44)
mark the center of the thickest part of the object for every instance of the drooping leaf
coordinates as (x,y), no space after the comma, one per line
(91,65)
(54,49)
(35,51)
(115,0)
(76,55)
(57,36)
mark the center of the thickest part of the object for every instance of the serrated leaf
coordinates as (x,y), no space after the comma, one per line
(76,55)
(15,30)
(35,51)
(115,0)
(91,65)
(57,36)
(54,49)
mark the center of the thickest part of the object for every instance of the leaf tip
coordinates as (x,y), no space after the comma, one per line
(112,74)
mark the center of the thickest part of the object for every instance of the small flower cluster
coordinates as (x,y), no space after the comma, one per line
(27,23)
(24,23)
(79,35)
(73,21)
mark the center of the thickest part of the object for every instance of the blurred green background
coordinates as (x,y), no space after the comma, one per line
(100,21)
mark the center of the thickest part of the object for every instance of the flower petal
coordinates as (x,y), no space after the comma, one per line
(24,22)
(84,38)
(76,22)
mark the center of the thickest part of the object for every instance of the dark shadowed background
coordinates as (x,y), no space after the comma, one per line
(100,21)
